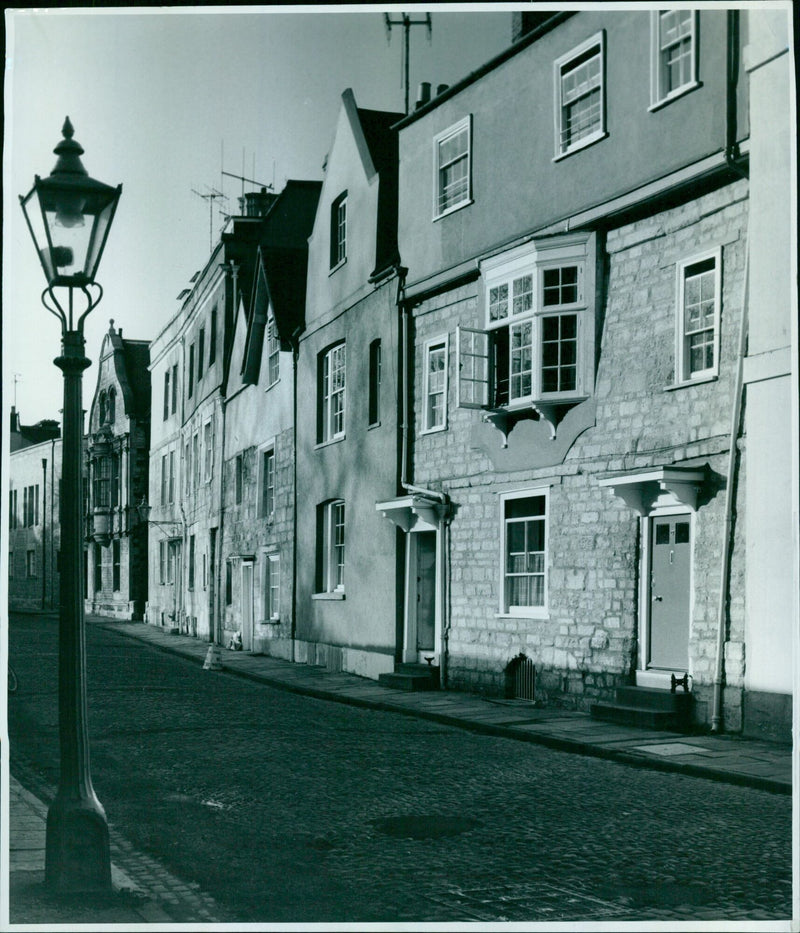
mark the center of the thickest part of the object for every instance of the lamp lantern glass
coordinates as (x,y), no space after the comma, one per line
(69,215)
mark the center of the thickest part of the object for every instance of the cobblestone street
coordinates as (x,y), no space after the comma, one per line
(287,808)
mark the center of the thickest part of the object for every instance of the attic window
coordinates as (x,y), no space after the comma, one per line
(339,230)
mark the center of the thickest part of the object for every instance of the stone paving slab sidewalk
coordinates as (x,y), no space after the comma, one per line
(727,758)
(143,890)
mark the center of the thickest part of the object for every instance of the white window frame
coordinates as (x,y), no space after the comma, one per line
(164,477)
(273,351)
(334,553)
(338,231)
(328,397)
(659,96)
(560,67)
(438,167)
(208,450)
(683,376)
(271,586)
(196,458)
(263,452)
(530,261)
(435,344)
(528,612)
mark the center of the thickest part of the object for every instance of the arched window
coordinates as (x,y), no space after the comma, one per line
(102,408)
(112,401)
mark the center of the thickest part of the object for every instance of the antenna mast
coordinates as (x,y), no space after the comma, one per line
(212,195)
(406,22)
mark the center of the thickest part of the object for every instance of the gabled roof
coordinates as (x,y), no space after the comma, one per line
(279,270)
(382,141)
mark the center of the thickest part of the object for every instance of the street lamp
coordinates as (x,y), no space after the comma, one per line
(143,510)
(69,215)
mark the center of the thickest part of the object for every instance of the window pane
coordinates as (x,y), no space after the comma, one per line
(682,532)
(523,294)
(523,508)
(498,302)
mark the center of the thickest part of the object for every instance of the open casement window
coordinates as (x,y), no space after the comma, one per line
(536,354)
(580,117)
(673,54)
(452,168)
(524,574)
(698,317)
(271,587)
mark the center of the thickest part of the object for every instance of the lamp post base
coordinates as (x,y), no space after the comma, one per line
(77,855)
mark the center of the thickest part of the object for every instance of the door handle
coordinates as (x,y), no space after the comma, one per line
(657,599)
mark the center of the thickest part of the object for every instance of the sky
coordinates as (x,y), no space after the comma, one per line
(163,101)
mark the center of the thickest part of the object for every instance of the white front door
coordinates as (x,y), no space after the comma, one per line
(247,605)
(670,593)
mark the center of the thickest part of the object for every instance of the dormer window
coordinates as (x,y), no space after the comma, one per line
(536,353)
(339,230)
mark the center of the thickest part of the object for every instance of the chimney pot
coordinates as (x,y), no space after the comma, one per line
(423,94)
(441,88)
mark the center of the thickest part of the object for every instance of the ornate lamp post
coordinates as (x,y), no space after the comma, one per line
(69,215)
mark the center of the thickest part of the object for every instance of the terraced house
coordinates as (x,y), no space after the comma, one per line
(187,367)
(259,389)
(599,307)
(115,479)
(348,569)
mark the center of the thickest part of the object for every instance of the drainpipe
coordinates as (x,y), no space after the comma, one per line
(731,125)
(44,532)
(406,356)
(52,527)
(730,154)
(716,709)
(294,340)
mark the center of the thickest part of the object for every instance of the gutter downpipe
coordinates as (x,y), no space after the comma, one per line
(44,532)
(52,532)
(295,343)
(217,634)
(730,147)
(406,356)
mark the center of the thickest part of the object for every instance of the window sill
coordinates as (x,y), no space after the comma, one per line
(375,424)
(437,430)
(333,440)
(583,144)
(657,105)
(336,594)
(453,209)
(700,380)
(269,621)
(540,615)
(272,384)
(338,266)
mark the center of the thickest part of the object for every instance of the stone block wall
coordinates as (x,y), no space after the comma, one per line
(589,642)
(247,532)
